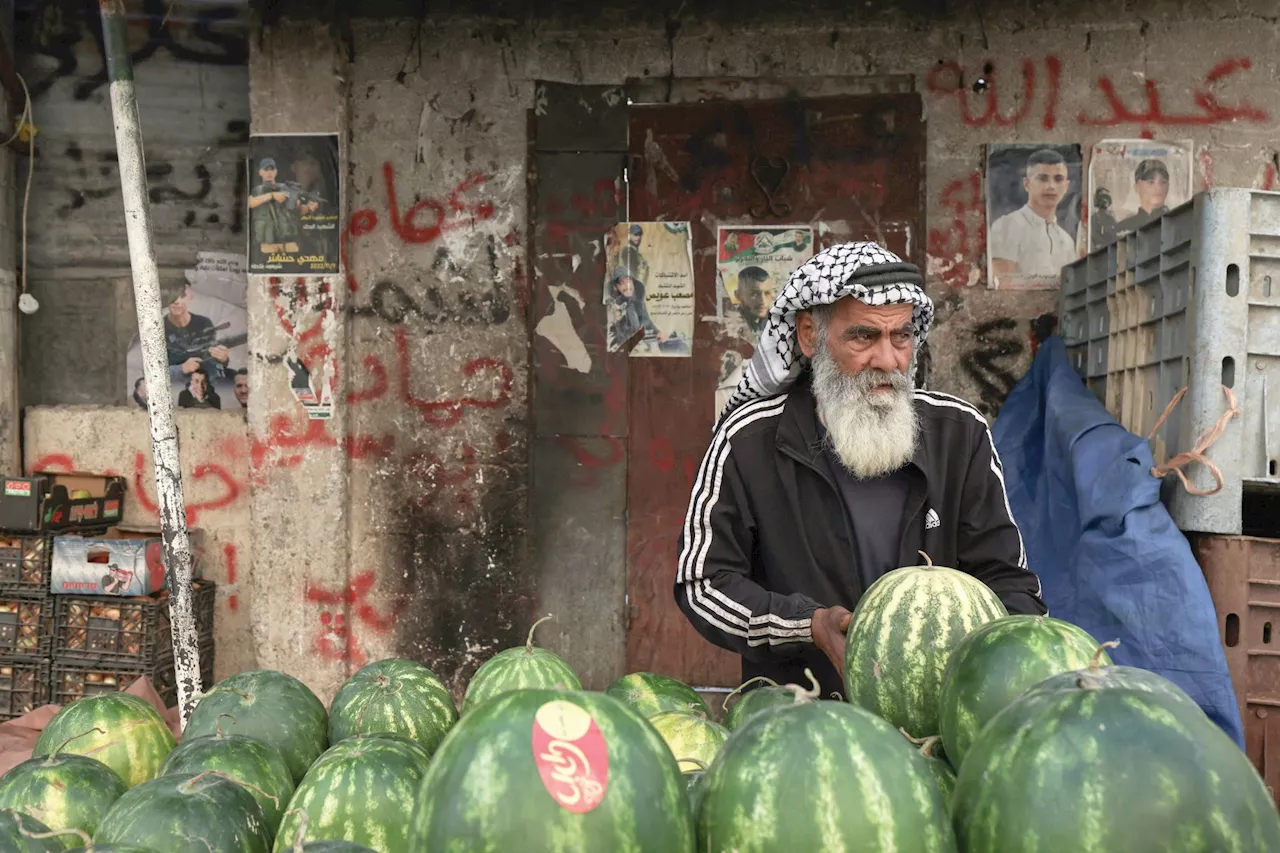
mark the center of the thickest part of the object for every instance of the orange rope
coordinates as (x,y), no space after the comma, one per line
(1196,453)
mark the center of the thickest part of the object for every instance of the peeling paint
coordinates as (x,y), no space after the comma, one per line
(557,328)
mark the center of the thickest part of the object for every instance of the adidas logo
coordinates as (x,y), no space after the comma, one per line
(931,520)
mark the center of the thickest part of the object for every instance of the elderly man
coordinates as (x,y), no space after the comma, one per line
(827,470)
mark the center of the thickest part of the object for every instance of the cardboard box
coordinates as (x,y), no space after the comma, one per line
(123,562)
(49,501)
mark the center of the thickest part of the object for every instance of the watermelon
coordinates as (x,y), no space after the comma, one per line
(650,694)
(901,636)
(21,833)
(544,770)
(362,789)
(109,848)
(820,775)
(257,766)
(119,729)
(694,780)
(394,695)
(518,668)
(690,736)
(188,813)
(992,666)
(268,705)
(943,774)
(754,701)
(62,791)
(1091,763)
(332,847)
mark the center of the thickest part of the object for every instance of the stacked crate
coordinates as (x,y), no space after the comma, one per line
(26,621)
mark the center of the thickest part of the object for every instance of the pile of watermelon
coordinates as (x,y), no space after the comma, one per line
(965,730)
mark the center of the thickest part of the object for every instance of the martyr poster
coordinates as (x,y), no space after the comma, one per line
(648,288)
(752,265)
(1132,182)
(1033,210)
(293,204)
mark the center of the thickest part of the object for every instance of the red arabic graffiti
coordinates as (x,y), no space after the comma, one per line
(55,462)
(229,493)
(948,79)
(229,554)
(1152,114)
(956,250)
(335,639)
(448,411)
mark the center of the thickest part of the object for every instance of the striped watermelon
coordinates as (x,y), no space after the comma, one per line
(268,705)
(650,693)
(1091,763)
(21,833)
(362,789)
(109,848)
(694,784)
(518,668)
(992,666)
(690,736)
(754,701)
(943,774)
(333,847)
(901,636)
(543,771)
(187,813)
(257,766)
(119,729)
(821,775)
(62,791)
(393,695)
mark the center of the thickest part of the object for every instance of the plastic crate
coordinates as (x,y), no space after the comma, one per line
(24,563)
(26,625)
(134,631)
(1190,299)
(24,685)
(74,679)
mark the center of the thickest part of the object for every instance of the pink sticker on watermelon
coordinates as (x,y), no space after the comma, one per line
(571,754)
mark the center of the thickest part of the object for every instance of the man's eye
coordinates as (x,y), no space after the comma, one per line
(863,336)
(901,338)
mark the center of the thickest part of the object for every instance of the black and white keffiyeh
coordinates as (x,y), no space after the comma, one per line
(865,271)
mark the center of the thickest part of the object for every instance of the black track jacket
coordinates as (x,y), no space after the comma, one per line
(767,541)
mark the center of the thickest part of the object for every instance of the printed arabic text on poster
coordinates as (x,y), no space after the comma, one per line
(1133,181)
(648,288)
(1033,211)
(293,204)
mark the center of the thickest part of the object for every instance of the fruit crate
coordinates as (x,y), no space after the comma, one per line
(133,631)
(74,679)
(24,685)
(26,625)
(24,563)
(1191,299)
(1243,574)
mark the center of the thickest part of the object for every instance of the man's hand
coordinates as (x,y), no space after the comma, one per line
(189,366)
(220,353)
(829,626)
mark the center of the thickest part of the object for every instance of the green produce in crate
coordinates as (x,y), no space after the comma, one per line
(269,705)
(754,701)
(188,813)
(901,636)
(1103,760)
(992,666)
(21,833)
(362,789)
(64,791)
(690,736)
(398,696)
(818,776)
(119,729)
(547,771)
(650,694)
(519,668)
(258,766)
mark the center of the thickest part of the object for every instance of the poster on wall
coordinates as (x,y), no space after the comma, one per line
(1133,181)
(648,288)
(1033,214)
(752,265)
(293,204)
(206,336)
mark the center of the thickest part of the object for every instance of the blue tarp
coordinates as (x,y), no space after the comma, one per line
(1107,553)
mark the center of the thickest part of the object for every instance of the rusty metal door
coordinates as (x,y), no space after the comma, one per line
(853,168)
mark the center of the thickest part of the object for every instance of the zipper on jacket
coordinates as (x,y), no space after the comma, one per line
(830,481)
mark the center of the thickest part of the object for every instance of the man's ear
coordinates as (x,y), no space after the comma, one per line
(807,334)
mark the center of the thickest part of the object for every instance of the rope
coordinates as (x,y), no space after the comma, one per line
(1196,453)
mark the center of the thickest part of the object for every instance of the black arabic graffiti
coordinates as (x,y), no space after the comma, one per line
(994,341)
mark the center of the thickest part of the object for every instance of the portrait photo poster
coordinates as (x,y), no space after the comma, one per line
(648,287)
(752,266)
(1034,228)
(293,204)
(1133,181)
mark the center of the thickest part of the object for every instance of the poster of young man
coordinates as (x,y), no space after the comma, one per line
(752,265)
(206,336)
(1132,182)
(1033,211)
(293,204)
(648,287)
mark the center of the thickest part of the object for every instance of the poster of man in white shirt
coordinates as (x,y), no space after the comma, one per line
(1033,207)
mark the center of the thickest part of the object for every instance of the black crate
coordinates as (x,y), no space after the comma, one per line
(134,631)
(75,679)
(24,563)
(24,685)
(26,625)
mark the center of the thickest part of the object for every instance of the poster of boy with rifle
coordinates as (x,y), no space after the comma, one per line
(293,204)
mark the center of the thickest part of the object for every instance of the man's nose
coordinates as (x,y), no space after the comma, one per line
(883,355)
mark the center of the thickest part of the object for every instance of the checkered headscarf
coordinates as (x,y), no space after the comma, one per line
(865,271)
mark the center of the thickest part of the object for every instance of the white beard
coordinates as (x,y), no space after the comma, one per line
(873,433)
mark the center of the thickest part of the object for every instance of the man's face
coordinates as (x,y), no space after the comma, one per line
(1153,191)
(268,174)
(306,170)
(199,385)
(1046,187)
(635,240)
(182,305)
(626,287)
(863,337)
(756,297)
(242,389)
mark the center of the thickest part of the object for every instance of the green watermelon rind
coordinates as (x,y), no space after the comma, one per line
(133,739)
(754,701)
(397,696)
(188,813)
(258,766)
(651,693)
(12,825)
(518,668)
(689,735)
(63,791)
